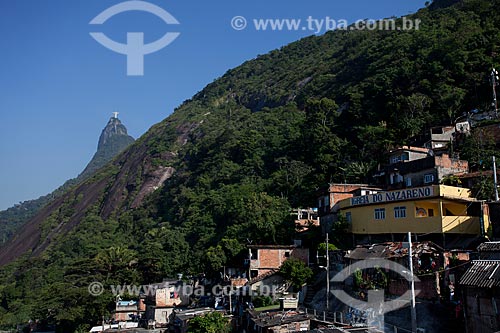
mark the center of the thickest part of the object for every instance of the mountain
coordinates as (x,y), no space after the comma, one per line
(113,140)
(226,167)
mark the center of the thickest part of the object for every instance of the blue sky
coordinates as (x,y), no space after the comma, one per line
(58,86)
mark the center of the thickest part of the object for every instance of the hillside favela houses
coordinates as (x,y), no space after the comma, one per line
(457,279)
(265,259)
(414,166)
(480,286)
(409,196)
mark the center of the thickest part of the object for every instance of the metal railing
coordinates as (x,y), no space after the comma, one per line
(350,318)
(336,317)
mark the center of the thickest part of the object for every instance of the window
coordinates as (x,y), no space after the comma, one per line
(399,158)
(396,159)
(379,213)
(400,212)
(408,182)
(287,254)
(348,217)
(254,254)
(430,211)
(428,178)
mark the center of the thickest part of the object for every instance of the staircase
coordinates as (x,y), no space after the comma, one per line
(311,292)
(314,286)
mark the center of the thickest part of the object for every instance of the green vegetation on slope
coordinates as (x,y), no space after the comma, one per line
(253,144)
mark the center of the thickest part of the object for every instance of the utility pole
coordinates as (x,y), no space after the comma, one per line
(495,178)
(494,83)
(327,274)
(412,286)
(327,267)
(481,218)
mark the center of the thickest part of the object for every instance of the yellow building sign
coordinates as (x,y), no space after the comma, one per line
(415,193)
(429,209)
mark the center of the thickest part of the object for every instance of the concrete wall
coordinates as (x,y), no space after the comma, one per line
(124,316)
(428,287)
(161,315)
(409,154)
(163,297)
(418,178)
(272,258)
(269,283)
(448,166)
(480,309)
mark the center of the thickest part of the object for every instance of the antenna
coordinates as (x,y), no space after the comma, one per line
(115,115)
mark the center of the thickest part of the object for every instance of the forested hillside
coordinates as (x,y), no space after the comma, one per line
(227,165)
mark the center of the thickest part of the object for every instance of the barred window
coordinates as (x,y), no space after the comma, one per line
(400,212)
(379,213)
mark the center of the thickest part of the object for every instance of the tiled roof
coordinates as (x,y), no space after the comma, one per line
(263,276)
(391,250)
(279,318)
(277,247)
(476,174)
(411,148)
(482,273)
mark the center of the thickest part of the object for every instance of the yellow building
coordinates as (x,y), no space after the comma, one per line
(436,209)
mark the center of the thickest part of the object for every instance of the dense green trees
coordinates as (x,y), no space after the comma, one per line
(263,138)
(296,272)
(213,322)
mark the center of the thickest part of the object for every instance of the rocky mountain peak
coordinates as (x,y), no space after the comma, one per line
(113,140)
(113,128)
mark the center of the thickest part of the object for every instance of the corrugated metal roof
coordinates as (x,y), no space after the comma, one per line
(489,247)
(482,273)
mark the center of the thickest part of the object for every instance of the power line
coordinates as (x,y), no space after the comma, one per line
(443,270)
